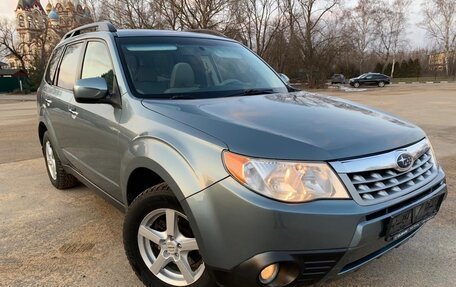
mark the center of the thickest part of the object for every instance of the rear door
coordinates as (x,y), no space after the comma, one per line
(94,149)
(58,94)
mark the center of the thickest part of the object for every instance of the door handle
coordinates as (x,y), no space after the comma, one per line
(73,112)
(48,101)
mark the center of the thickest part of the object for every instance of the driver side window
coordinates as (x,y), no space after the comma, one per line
(97,63)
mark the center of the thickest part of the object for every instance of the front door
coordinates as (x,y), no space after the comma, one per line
(94,149)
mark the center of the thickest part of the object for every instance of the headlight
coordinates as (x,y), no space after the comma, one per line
(434,158)
(284,180)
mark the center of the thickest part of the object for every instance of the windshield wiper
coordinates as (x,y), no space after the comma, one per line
(253,92)
(183,97)
(247,92)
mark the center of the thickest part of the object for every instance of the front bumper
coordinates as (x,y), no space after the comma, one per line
(240,232)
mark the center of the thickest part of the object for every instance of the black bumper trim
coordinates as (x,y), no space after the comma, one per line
(310,267)
(377,254)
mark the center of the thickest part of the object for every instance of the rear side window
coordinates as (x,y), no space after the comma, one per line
(97,63)
(69,66)
(52,67)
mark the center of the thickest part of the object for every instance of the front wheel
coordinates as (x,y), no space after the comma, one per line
(381,84)
(356,85)
(160,244)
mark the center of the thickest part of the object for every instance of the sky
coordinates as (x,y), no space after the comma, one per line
(416,35)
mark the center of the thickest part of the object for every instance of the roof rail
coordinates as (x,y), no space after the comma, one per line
(207,31)
(99,26)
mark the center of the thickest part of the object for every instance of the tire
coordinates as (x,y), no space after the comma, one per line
(147,217)
(57,174)
(356,85)
(381,84)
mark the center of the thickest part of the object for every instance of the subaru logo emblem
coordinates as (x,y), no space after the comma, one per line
(404,161)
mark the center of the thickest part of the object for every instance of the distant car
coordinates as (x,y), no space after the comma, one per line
(370,79)
(338,79)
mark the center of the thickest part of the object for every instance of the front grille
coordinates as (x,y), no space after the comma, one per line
(384,183)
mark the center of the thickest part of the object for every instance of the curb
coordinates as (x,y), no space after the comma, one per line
(428,82)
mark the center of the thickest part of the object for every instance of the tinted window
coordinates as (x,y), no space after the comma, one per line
(69,66)
(50,73)
(97,63)
(163,67)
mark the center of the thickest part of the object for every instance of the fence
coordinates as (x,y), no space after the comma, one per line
(14,84)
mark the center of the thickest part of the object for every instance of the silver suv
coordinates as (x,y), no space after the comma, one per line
(229,176)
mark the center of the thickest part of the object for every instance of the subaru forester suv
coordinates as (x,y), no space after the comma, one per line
(229,176)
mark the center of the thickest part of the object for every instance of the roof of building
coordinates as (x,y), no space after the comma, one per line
(53,15)
(10,71)
(29,4)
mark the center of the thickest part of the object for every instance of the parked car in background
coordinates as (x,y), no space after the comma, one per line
(370,79)
(338,79)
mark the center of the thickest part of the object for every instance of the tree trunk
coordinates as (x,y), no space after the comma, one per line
(392,68)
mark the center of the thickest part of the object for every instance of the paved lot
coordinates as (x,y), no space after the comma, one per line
(73,238)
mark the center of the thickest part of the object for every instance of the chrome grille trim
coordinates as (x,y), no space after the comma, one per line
(382,161)
(377,178)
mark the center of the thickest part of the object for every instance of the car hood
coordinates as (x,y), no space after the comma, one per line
(299,126)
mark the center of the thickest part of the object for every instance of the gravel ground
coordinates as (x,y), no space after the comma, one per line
(73,238)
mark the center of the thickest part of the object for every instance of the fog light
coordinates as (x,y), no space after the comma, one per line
(269,273)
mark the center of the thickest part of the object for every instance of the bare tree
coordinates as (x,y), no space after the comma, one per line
(8,42)
(390,27)
(132,14)
(256,23)
(169,15)
(361,28)
(32,55)
(94,7)
(440,24)
(314,33)
(200,14)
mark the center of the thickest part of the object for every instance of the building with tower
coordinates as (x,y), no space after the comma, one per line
(37,26)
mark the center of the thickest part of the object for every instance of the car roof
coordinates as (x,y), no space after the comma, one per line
(125,33)
(105,28)
(165,33)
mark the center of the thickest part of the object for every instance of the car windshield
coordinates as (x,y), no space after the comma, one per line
(179,67)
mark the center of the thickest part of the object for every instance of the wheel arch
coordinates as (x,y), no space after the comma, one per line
(139,180)
(42,128)
(150,161)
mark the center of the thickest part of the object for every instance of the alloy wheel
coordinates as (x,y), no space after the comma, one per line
(50,160)
(168,247)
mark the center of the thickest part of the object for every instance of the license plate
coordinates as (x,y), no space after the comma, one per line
(411,219)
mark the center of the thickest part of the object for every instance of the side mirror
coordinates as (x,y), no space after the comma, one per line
(91,90)
(285,78)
